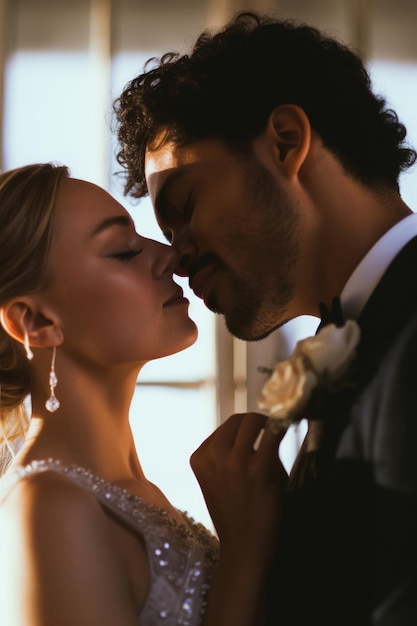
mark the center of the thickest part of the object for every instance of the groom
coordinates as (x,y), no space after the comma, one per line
(273,170)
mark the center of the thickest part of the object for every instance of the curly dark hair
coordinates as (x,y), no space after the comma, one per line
(232,80)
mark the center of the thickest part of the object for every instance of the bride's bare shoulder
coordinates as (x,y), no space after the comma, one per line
(43,499)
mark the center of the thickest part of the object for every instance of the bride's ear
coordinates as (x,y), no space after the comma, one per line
(22,319)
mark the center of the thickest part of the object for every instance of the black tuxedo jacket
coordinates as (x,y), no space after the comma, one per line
(347,552)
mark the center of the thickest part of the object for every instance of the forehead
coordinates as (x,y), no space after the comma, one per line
(83,205)
(73,192)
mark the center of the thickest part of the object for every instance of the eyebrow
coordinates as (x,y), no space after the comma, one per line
(116,220)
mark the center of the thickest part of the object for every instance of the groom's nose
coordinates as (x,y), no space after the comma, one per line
(186,250)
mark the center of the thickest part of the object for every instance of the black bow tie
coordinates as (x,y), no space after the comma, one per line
(334,315)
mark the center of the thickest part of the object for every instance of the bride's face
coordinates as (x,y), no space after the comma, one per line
(112,289)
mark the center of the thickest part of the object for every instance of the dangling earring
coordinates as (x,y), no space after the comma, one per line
(52,403)
(29,353)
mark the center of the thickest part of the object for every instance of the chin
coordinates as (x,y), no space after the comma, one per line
(247,334)
(248,331)
(189,340)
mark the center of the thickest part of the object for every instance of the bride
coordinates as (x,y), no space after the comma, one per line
(85,538)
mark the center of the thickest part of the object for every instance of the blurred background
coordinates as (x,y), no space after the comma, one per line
(62,63)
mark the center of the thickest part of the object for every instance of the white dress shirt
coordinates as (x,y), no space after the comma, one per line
(370,270)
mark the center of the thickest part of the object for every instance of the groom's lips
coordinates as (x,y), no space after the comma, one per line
(202,280)
(201,275)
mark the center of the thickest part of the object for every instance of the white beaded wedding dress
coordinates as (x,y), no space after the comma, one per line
(182,557)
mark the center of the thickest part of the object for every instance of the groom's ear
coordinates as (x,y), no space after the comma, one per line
(23,316)
(288,132)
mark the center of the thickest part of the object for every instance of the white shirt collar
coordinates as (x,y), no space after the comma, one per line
(370,270)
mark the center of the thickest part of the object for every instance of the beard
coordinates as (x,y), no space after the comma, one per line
(264,289)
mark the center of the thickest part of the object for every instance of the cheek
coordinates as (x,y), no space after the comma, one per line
(114,332)
(222,215)
(118,303)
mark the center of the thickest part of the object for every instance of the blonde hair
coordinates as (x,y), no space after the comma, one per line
(27,200)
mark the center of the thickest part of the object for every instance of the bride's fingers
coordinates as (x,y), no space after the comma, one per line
(223,436)
(250,429)
(242,444)
(238,432)
(216,448)
(269,439)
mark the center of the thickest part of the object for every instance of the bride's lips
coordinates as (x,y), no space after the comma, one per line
(176,298)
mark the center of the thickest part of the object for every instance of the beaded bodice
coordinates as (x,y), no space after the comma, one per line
(181,557)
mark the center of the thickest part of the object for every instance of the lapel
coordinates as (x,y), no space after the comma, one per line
(392,304)
(390,307)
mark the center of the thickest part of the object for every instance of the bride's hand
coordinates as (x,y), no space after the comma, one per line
(243,485)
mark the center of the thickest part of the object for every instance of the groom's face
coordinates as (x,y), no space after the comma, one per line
(235,229)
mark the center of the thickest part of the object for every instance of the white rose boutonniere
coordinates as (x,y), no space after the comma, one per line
(322,360)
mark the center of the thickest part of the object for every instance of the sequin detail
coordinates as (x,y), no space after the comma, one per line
(182,557)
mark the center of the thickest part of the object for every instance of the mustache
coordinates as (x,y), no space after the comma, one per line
(206,259)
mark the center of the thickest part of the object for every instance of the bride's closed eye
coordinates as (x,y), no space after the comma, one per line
(132,248)
(126,255)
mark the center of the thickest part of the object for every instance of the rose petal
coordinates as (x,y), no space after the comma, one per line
(288,389)
(331,351)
